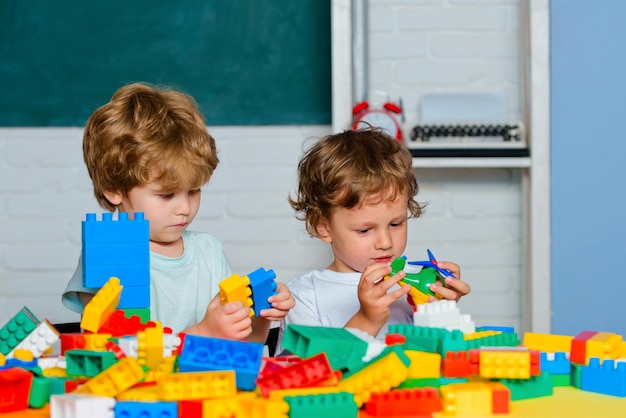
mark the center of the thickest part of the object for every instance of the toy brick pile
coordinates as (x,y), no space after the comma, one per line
(124,365)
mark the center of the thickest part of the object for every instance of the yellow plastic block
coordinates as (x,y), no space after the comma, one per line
(377,377)
(96,342)
(604,345)
(236,288)
(480,334)
(54,372)
(423,365)
(114,380)
(102,305)
(466,399)
(547,342)
(279,394)
(197,385)
(166,367)
(142,393)
(150,347)
(504,364)
(265,408)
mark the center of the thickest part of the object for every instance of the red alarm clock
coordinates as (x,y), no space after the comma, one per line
(384,118)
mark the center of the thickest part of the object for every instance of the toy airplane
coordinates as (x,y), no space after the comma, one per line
(420,280)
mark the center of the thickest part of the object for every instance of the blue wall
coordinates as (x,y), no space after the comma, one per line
(588,148)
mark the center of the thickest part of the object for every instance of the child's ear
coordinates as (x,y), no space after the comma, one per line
(115,198)
(323,231)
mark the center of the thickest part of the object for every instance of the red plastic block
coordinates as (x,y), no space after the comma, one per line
(500,398)
(190,409)
(309,372)
(393,339)
(578,353)
(535,362)
(15,384)
(72,340)
(404,401)
(118,325)
(455,364)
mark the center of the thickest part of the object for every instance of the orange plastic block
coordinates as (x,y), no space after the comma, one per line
(114,380)
(455,364)
(423,365)
(236,288)
(466,399)
(197,385)
(380,375)
(15,384)
(404,402)
(102,305)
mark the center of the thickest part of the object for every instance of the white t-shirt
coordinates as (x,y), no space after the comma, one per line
(180,287)
(327,298)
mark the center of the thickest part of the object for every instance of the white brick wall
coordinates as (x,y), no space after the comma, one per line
(417,47)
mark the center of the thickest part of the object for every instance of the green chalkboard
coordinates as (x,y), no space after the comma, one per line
(247,62)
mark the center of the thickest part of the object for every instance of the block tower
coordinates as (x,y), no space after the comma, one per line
(119,248)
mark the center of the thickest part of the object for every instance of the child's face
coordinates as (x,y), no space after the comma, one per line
(375,230)
(169,213)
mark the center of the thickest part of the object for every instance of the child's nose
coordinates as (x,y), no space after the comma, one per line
(183,206)
(383,240)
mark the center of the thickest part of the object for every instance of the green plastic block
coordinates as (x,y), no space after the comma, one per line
(343,349)
(88,363)
(534,387)
(431,382)
(39,392)
(17,329)
(142,313)
(561,379)
(330,405)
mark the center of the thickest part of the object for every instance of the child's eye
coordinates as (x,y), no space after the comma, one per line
(166,195)
(194,191)
(395,224)
(362,231)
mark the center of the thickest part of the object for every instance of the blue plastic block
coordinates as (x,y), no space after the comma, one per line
(205,354)
(509,330)
(134,297)
(263,286)
(115,231)
(559,365)
(97,276)
(607,379)
(145,409)
(115,248)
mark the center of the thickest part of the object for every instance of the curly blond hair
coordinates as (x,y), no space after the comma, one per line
(147,133)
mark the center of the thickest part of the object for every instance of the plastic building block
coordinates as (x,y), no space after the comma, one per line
(236,288)
(140,392)
(534,387)
(197,385)
(508,364)
(97,342)
(142,313)
(466,399)
(555,363)
(203,354)
(73,340)
(309,372)
(344,349)
(380,375)
(280,394)
(15,384)
(547,342)
(404,402)
(500,397)
(588,344)
(118,325)
(116,248)
(39,391)
(17,329)
(491,339)
(608,378)
(423,365)
(102,305)
(332,405)
(393,339)
(263,286)
(455,364)
(132,409)
(150,347)
(443,314)
(114,380)
(419,280)
(88,363)
(78,406)
(135,297)
(39,340)
(509,330)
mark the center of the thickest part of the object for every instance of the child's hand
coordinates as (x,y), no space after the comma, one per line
(455,288)
(230,321)
(281,302)
(374,299)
